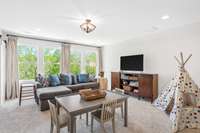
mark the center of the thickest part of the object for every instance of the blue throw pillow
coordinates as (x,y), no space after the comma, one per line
(54,80)
(83,78)
(66,79)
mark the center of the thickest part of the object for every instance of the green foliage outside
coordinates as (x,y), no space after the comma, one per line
(75,62)
(90,67)
(51,61)
(27,62)
(27,58)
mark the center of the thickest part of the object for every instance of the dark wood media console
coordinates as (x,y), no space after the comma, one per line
(136,84)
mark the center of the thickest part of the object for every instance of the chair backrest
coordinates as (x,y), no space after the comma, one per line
(108,110)
(53,113)
(119,91)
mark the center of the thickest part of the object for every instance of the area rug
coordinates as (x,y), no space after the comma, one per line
(142,118)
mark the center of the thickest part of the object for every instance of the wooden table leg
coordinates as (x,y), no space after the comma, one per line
(126,113)
(72,124)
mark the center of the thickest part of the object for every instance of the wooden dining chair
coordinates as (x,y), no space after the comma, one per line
(120,103)
(105,114)
(57,120)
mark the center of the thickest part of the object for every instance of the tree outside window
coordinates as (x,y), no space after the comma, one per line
(90,63)
(27,60)
(75,62)
(51,61)
(47,59)
(83,62)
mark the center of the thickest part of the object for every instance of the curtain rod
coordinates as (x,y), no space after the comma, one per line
(49,40)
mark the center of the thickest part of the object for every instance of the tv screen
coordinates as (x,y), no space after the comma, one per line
(132,63)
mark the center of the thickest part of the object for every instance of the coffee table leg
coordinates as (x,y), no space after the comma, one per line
(72,124)
(126,113)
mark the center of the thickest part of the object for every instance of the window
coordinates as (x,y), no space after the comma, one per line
(27,58)
(36,57)
(51,61)
(41,57)
(90,63)
(75,62)
(83,60)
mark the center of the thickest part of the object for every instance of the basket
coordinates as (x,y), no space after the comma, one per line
(89,94)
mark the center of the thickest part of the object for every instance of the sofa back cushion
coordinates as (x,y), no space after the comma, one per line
(83,78)
(65,79)
(54,80)
(74,79)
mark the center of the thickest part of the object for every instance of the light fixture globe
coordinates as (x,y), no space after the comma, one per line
(87,26)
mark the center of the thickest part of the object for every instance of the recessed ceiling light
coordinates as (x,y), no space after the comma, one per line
(165,17)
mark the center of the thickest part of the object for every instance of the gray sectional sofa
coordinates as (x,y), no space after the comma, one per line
(49,93)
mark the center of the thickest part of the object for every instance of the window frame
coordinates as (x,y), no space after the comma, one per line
(39,46)
(83,52)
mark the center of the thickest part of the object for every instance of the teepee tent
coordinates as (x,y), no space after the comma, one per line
(181,99)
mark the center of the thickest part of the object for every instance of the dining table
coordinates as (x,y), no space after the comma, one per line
(74,105)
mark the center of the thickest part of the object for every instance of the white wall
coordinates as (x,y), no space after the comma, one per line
(159,50)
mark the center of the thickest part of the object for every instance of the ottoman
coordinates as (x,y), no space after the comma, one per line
(49,93)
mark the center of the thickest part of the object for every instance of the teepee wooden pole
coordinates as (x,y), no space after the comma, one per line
(188,59)
(182,60)
(177,60)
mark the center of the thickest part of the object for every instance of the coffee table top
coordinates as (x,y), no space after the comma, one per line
(75,105)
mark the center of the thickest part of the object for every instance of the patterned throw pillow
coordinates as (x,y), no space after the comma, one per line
(42,81)
(65,79)
(54,80)
(91,78)
(83,78)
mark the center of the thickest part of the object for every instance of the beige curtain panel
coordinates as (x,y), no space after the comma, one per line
(65,57)
(12,81)
(100,60)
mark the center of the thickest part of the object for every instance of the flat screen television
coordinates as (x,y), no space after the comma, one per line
(132,63)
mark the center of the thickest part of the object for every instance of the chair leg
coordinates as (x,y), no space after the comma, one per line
(80,117)
(113,125)
(87,119)
(57,129)
(102,126)
(122,111)
(92,121)
(51,130)
(20,96)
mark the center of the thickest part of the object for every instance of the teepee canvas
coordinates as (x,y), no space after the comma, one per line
(181,99)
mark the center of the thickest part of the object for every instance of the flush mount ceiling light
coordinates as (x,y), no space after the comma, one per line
(165,17)
(87,26)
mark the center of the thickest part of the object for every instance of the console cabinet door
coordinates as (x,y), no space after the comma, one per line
(115,80)
(145,86)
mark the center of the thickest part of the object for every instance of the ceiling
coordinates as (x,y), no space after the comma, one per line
(116,20)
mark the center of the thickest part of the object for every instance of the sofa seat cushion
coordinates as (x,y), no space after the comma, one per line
(51,92)
(77,87)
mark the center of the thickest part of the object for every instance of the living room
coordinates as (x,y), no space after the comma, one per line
(137,60)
